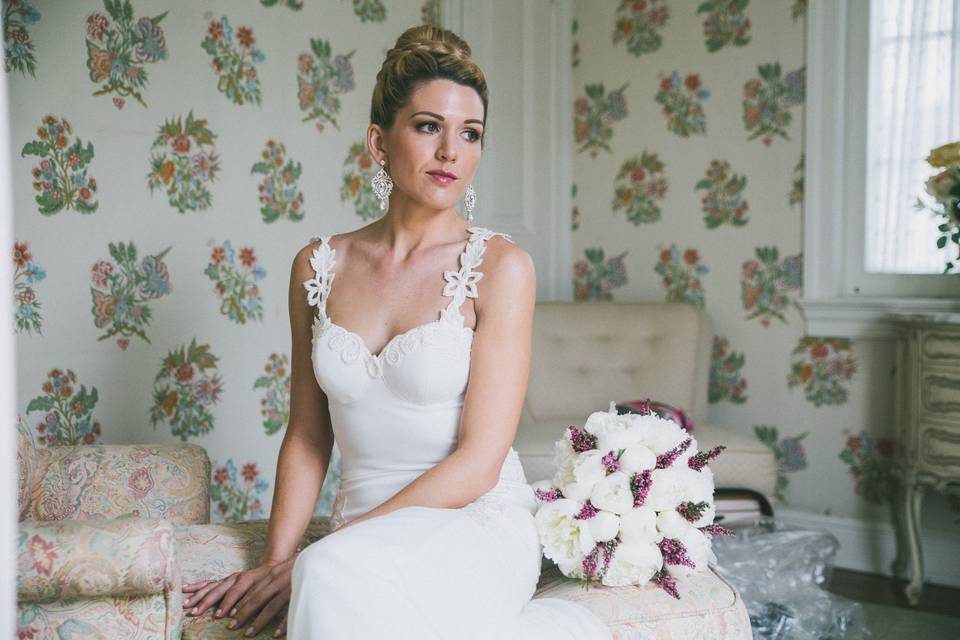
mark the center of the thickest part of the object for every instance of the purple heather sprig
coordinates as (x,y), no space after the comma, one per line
(675,553)
(611,461)
(667,582)
(716,530)
(640,485)
(692,511)
(699,460)
(667,458)
(549,495)
(591,561)
(587,511)
(582,439)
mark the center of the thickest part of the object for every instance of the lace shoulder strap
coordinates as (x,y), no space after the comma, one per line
(318,287)
(462,284)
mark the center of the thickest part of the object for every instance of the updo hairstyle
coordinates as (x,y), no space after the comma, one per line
(421,54)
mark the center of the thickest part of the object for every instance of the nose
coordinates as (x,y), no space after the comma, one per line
(447,149)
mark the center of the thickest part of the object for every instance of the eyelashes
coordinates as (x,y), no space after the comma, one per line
(426,127)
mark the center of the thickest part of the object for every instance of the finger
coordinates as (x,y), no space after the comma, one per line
(214,595)
(282,629)
(193,586)
(268,612)
(198,596)
(230,604)
(255,598)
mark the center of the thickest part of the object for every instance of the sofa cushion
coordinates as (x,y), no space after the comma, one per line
(745,464)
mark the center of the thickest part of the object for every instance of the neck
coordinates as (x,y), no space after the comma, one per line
(408,226)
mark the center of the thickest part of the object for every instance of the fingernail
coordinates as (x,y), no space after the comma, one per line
(233,612)
(232,624)
(219,613)
(276,633)
(194,611)
(249,632)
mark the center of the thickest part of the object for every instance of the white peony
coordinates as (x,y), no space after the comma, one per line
(668,488)
(659,434)
(564,459)
(588,468)
(633,563)
(604,526)
(637,458)
(698,550)
(565,539)
(612,493)
(639,525)
(541,485)
(576,491)
(672,525)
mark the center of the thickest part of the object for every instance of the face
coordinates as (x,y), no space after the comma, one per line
(433,148)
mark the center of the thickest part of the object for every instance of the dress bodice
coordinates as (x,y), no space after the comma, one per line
(396,413)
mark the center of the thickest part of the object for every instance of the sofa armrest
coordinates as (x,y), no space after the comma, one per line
(75,559)
(108,481)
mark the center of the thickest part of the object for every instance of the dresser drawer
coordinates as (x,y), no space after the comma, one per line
(940,347)
(940,448)
(940,393)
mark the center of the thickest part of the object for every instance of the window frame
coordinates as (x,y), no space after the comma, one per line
(834,192)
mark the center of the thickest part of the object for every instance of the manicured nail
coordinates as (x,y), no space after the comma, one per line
(233,612)
(193,611)
(232,624)
(219,613)
(276,633)
(249,632)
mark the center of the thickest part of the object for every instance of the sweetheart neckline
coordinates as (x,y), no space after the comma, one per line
(378,356)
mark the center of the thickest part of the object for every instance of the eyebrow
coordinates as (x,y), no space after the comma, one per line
(440,117)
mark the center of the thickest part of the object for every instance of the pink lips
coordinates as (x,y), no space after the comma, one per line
(441,177)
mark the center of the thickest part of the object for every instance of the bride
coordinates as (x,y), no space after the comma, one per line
(416,362)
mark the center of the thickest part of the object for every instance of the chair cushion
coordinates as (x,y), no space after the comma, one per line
(708,607)
(745,464)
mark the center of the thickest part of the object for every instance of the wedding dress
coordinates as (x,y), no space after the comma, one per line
(417,572)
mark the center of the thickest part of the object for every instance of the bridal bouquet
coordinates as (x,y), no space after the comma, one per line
(944,188)
(631,502)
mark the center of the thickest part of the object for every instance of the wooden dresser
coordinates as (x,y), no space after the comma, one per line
(928,426)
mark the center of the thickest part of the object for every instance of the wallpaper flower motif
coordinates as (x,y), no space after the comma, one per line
(870,463)
(61,176)
(595,277)
(766,101)
(236,499)
(293,5)
(280,197)
(767,285)
(575,211)
(184,163)
(122,290)
(788,453)
(823,367)
(118,52)
(682,102)
(236,285)
(638,23)
(681,275)
(275,404)
(726,375)
(18,48)
(575,46)
(370,10)
(798,10)
(69,414)
(26,273)
(796,191)
(430,13)
(594,116)
(726,24)
(357,174)
(723,202)
(185,390)
(638,186)
(321,77)
(234,64)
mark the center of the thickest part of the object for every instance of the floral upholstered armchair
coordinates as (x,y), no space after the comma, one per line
(109,534)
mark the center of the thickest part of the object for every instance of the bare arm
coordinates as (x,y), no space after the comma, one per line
(499,369)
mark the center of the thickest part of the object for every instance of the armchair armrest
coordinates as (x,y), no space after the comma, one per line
(108,481)
(75,559)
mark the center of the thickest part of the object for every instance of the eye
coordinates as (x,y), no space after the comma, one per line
(428,123)
(472,135)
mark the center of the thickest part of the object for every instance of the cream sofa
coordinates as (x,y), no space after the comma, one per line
(586,354)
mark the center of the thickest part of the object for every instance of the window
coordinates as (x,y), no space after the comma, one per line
(884,89)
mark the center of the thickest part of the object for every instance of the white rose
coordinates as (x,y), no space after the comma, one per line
(639,525)
(632,563)
(612,493)
(671,524)
(636,458)
(667,489)
(604,526)
(565,539)
(588,468)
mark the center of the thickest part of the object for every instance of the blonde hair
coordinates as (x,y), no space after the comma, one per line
(421,54)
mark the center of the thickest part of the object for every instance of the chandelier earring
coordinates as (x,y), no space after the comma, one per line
(382,185)
(470,201)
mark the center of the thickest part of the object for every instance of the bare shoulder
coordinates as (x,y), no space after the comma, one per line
(508,272)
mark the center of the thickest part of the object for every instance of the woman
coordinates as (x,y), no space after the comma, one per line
(433,533)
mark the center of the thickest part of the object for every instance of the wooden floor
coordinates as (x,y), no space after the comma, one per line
(869,587)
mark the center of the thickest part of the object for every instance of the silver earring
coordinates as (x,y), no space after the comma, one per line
(470,201)
(382,185)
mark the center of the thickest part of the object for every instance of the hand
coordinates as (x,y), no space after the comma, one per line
(264,589)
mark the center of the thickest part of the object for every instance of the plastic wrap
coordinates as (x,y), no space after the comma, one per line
(782,572)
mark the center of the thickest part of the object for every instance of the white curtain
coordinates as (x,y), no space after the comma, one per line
(913,106)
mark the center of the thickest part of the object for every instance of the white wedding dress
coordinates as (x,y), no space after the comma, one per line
(418,572)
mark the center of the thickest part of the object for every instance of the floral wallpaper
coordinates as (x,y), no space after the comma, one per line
(170,159)
(688,187)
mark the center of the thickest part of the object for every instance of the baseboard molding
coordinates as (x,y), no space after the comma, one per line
(871,546)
